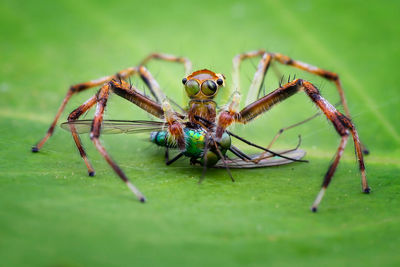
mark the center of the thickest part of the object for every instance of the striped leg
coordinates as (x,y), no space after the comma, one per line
(342,124)
(95,134)
(75,89)
(74,116)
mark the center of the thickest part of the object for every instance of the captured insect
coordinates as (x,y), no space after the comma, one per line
(200,130)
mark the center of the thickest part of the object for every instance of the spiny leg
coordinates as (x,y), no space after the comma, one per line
(73,117)
(171,58)
(163,111)
(330,76)
(341,123)
(330,172)
(259,75)
(75,89)
(262,69)
(95,134)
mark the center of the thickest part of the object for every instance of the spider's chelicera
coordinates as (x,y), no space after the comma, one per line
(199,131)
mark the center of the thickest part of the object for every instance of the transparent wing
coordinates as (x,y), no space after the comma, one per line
(115,126)
(237,163)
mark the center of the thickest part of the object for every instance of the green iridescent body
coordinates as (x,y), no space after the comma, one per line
(194,144)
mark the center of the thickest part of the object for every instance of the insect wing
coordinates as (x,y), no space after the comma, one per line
(237,163)
(115,126)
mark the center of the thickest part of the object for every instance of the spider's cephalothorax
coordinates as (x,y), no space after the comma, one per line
(201,87)
(198,130)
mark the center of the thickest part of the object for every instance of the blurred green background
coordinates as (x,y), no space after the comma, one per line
(52,214)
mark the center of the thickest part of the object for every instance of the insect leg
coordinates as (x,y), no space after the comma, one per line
(95,134)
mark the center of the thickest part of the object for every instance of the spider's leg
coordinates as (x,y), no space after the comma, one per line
(163,111)
(73,117)
(342,124)
(330,76)
(171,58)
(259,75)
(75,89)
(151,82)
(95,134)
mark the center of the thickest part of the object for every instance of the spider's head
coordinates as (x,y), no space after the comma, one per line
(203,84)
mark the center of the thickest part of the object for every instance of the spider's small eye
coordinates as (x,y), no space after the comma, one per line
(192,87)
(184,80)
(209,87)
(220,81)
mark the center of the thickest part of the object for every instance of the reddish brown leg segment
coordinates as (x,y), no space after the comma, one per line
(95,134)
(77,89)
(74,116)
(342,124)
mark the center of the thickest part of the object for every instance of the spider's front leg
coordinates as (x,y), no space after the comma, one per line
(342,124)
(163,111)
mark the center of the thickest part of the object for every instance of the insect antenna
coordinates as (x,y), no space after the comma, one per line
(265,149)
(223,160)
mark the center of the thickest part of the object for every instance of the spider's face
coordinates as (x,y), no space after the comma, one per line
(203,84)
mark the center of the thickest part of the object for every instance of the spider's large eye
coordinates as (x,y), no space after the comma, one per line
(192,87)
(209,87)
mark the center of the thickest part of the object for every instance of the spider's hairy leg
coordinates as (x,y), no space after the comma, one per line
(152,84)
(342,124)
(259,75)
(95,134)
(330,76)
(226,118)
(163,111)
(75,89)
(175,125)
(171,58)
(73,117)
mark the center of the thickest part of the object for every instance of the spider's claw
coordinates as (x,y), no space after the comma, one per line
(367,190)
(142,199)
(314,209)
(92,173)
(35,149)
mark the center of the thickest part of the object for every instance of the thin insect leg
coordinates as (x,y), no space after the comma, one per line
(205,151)
(279,133)
(239,153)
(75,89)
(166,155)
(329,173)
(169,162)
(95,134)
(223,160)
(262,148)
(267,155)
(73,117)
(290,127)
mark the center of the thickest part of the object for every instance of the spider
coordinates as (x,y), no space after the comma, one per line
(200,131)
